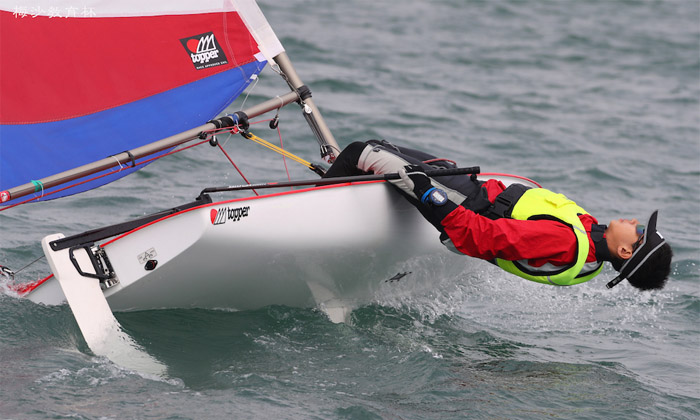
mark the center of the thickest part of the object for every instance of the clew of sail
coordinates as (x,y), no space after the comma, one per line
(80,84)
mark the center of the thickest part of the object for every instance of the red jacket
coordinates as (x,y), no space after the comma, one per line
(538,241)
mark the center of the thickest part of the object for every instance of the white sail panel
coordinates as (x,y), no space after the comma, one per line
(257,24)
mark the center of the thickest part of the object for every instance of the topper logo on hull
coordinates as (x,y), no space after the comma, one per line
(223,214)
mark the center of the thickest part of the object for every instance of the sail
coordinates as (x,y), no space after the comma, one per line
(82,83)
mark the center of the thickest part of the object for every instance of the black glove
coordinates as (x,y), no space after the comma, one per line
(434,202)
(417,184)
(413,181)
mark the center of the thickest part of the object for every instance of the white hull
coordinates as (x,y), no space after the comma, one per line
(274,249)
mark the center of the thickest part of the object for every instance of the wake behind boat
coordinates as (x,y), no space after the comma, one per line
(214,252)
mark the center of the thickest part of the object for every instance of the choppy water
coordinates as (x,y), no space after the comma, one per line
(596,99)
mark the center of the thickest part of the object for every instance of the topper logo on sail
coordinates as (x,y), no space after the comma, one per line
(204,50)
(220,216)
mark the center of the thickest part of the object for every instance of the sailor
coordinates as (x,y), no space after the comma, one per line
(533,233)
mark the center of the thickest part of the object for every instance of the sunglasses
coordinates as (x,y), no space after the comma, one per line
(640,231)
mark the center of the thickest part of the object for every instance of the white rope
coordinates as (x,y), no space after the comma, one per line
(255,76)
(118,163)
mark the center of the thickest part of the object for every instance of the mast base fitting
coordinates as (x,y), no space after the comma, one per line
(327,154)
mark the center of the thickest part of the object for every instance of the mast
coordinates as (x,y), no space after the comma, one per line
(329,147)
(273,51)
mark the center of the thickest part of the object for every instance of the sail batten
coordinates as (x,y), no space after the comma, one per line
(77,90)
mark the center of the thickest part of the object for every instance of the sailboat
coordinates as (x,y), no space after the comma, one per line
(113,86)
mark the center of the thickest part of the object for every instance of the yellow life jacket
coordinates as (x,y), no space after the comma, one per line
(538,204)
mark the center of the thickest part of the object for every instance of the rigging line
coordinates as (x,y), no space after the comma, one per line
(248,91)
(429,161)
(277,114)
(284,153)
(231,53)
(172,152)
(276,68)
(269,145)
(278,149)
(17,271)
(284,159)
(228,130)
(38,186)
(121,167)
(230,134)
(235,166)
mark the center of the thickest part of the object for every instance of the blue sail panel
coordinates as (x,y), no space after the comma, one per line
(53,147)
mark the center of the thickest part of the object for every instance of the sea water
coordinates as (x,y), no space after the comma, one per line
(598,100)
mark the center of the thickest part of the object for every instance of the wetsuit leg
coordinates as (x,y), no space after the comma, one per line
(346,162)
(419,155)
(381,157)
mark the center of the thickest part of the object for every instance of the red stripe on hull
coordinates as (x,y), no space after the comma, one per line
(24,289)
